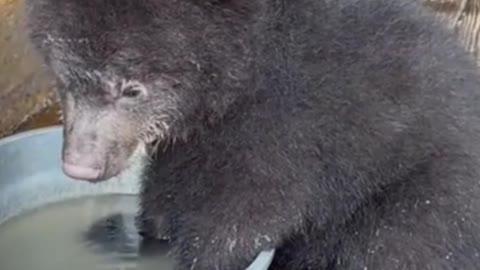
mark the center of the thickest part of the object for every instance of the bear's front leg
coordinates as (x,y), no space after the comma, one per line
(223,245)
(227,204)
(152,220)
(228,234)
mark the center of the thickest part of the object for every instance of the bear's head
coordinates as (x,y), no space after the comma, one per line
(132,73)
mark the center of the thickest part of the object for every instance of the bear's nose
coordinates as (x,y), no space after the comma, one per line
(81,173)
(80,167)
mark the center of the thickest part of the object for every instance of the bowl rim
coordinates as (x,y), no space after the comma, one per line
(28,133)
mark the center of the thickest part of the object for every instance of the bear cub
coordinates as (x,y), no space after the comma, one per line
(343,134)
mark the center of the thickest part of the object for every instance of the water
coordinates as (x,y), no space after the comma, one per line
(88,233)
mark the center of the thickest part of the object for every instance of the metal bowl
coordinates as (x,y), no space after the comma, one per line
(31,177)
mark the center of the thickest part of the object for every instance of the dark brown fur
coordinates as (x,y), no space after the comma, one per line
(343,133)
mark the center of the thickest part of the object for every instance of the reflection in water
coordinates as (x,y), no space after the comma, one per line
(89,233)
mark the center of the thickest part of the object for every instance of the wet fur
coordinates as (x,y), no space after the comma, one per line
(344,133)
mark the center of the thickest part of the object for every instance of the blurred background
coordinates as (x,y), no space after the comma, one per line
(27,93)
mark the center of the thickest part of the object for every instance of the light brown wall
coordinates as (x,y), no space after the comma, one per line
(24,86)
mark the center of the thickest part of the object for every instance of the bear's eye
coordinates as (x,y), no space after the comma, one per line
(131,92)
(132,89)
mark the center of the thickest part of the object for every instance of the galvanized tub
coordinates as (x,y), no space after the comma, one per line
(31,177)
